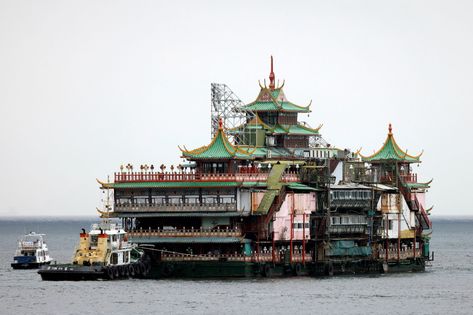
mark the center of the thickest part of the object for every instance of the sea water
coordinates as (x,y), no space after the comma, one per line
(445,288)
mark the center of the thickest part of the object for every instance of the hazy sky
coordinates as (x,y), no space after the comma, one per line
(88,85)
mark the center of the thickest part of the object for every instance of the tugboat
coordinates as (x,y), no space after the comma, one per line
(32,252)
(103,253)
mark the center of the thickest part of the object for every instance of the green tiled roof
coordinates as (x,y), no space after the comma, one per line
(294,130)
(173,184)
(299,186)
(302,130)
(253,184)
(219,148)
(418,185)
(275,93)
(259,106)
(390,151)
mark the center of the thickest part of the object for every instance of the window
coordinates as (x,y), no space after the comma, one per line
(114,259)
(93,240)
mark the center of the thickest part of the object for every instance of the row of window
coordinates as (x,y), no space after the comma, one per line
(340,220)
(299,225)
(351,194)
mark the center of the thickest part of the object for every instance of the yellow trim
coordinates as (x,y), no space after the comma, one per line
(104,184)
(407,234)
(266,89)
(103,214)
(396,149)
(231,149)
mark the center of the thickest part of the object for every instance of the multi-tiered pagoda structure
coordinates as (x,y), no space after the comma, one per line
(276,200)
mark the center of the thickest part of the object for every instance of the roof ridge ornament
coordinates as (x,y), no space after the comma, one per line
(220,123)
(390,129)
(271,76)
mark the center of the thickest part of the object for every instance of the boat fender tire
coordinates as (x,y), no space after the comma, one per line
(142,268)
(148,267)
(116,272)
(121,271)
(267,271)
(330,269)
(125,271)
(385,267)
(168,270)
(298,269)
(110,273)
(136,269)
(131,270)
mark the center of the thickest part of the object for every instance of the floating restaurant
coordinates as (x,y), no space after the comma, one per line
(268,196)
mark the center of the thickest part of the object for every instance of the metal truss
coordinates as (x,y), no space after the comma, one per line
(227,106)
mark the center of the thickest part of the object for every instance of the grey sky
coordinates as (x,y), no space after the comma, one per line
(88,85)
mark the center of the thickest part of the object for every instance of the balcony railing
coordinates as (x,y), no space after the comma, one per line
(262,257)
(184,233)
(155,207)
(350,203)
(407,178)
(199,177)
(348,229)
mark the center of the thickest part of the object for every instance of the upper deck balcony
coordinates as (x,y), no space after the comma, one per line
(130,177)
(391,178)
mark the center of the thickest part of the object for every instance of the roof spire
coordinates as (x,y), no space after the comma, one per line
(220,123)
(271,76)
(390,129)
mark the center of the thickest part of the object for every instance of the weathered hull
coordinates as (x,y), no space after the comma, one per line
(226,269)
(72,273)
(362,267)
(408,265)
(33,265)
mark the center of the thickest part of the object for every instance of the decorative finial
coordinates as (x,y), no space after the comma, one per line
(220,123)
(271,76)
(390,129)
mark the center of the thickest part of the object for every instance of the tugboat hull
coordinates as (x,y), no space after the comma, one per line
(70,272)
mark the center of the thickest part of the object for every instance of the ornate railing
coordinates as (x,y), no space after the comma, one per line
(267,257)
(198,177)
(409,178)
(148,233)
(154,207)
(348,228)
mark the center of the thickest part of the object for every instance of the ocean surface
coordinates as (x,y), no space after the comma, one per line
(445,288)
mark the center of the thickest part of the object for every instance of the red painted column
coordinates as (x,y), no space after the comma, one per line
(303,239)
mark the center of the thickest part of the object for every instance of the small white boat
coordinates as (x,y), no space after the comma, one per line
(32,252)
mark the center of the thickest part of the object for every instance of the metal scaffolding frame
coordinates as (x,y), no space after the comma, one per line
(226,105)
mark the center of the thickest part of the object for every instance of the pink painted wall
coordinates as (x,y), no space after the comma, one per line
(304,204)
(421,198)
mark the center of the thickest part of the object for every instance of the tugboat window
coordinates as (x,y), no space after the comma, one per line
(114,259)
(93,240)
